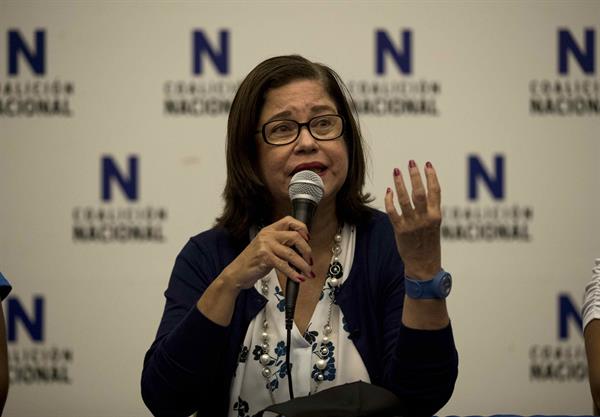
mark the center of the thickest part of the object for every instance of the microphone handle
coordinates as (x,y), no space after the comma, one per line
(303,209)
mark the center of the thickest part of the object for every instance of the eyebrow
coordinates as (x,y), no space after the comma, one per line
(315,109)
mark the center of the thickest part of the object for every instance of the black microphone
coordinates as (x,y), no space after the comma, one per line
(305,190)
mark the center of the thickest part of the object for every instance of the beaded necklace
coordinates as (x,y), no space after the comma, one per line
(334,273)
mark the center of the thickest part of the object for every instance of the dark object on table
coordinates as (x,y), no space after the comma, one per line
(357,399)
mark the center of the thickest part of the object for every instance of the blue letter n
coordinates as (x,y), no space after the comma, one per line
(35,58)
(566,43)
(566,311)
(129,186)
(383,46)
(34,326)
(495,185)
(201,47)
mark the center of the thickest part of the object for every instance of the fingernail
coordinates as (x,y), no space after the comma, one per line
(301,278)
(311,261)
(411,164)
(312,274)
(396,172)
(389,190)
(428,164)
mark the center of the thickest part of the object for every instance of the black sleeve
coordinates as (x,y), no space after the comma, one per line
(183,365)
(420,366)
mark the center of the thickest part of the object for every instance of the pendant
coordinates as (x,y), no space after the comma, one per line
(335,270)
(334,276)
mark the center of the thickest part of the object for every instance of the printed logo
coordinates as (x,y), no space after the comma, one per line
(497,221)
(568,46)
(28,91)
(564,361)
(36,58)
(127,182)
(576,92)
(394,91)
(31,359)
(478,174)
(210,91)
(33,325)
(202,48)
(385,47)
(112,222)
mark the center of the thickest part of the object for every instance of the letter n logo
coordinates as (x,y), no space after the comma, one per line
(112,175)
(35,57)
(585,57)
(567,311)
(202,48)
(479,174)
(402,57)
(33,324)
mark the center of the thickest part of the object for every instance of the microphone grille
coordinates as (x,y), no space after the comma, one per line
(306,184)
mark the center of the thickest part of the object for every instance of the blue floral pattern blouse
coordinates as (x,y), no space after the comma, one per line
(254,389)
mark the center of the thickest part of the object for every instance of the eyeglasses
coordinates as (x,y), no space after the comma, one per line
(284,132)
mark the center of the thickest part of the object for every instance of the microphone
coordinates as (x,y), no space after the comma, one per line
(305,191)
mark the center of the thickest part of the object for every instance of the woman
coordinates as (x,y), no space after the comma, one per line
(590,313)
(220,346)
(5,289)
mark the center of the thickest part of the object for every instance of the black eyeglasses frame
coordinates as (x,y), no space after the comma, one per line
(300,126)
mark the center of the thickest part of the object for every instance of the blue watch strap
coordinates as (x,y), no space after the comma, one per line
(437,287)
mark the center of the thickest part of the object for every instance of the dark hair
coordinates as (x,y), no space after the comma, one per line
(246,196)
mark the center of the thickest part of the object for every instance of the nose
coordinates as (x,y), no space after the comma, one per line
(306,142)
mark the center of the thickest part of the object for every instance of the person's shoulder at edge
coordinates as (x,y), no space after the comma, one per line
(5,287)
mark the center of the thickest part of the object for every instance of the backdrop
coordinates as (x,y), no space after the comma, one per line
(113,118)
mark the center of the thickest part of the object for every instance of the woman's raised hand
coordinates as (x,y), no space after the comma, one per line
(273,247)
(417,228)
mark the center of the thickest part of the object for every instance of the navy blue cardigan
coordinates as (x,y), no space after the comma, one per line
(190,365)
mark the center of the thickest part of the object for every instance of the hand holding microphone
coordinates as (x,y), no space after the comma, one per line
(282,245)
(305,190)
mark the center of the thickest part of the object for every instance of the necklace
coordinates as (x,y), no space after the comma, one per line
(324,351)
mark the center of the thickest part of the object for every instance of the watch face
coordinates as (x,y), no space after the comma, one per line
(446,285)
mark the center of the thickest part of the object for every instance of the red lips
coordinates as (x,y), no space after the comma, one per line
(311,166)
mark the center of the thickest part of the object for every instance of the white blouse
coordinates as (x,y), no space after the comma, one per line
(252,391)
(591,297)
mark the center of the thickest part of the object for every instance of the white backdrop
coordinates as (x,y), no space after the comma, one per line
(102,299)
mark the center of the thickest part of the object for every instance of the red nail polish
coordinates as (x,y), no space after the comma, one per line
(311,261)
(428,164)
(412,163)
(396,172)
(389,190)
(312,274)
(301,278)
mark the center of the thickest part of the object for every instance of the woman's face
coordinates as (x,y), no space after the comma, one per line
(300,100)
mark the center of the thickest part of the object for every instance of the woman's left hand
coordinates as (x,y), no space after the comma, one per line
(417,229)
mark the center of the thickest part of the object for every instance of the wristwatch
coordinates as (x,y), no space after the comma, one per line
(437,287)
